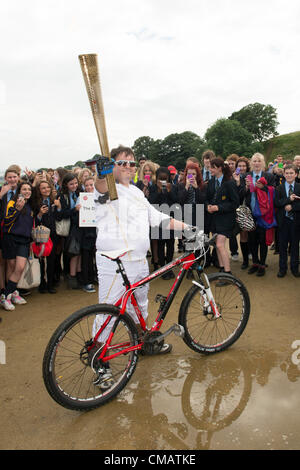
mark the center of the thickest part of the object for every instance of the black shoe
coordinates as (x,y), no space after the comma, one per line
(253,269)
(43,289)
(244,266)
(24,292)
(72,282)
(296,273)
(261,271)
(281,273)
(51,290)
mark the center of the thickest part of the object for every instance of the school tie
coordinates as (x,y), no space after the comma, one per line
(217,184)
(10,195)
(290,213)
(206,175)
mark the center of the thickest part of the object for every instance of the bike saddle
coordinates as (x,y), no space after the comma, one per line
(114,254)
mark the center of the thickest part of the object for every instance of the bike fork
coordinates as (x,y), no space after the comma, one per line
(209,301)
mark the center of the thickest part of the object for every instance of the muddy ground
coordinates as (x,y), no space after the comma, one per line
(247,397)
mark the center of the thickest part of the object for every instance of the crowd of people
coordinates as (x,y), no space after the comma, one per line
(51,198)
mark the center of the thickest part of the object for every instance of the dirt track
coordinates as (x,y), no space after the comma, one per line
(246,397)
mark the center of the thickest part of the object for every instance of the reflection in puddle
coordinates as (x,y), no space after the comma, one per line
(233,400)
(220,401)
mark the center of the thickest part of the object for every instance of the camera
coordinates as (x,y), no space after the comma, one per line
(163,185)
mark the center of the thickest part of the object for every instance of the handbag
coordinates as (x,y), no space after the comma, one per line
(31,276)
(73,246)
(245,218)
(40,234)
(63,227)
(42,249)
(73,242)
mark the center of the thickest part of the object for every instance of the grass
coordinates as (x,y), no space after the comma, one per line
(287,145)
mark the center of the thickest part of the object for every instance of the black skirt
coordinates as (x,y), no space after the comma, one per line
(15,245)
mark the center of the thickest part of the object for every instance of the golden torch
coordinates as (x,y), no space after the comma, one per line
(89,67)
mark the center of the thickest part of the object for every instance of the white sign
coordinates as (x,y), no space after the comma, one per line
(87,210)
(2,353)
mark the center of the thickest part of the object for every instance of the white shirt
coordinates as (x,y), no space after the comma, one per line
(124,224)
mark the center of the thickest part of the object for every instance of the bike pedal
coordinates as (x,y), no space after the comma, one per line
(178,330)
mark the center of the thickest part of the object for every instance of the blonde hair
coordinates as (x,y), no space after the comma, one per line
(261,157)
(81,173)
(152,167)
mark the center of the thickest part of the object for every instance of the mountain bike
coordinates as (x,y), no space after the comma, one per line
(82,372)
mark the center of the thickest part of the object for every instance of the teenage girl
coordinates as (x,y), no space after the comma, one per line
(222,200)
(67,209)
(18,223)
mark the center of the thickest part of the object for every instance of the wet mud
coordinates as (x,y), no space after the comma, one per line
(244,398)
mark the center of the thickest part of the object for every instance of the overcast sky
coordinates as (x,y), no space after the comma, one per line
(166,66)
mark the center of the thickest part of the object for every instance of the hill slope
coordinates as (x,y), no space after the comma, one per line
(287,145)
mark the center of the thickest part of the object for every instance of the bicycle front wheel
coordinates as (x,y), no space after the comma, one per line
(69,370)
(203,332)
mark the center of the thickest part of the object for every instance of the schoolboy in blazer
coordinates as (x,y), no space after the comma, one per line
(287,201)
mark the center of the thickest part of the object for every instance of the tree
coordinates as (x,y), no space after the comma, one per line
(227,136)
(258,119)
(148,147)
(177,148)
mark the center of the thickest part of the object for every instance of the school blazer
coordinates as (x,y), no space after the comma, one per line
(227,199)
(281,200)
(247,194)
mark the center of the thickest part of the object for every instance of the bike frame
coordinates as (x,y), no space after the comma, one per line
(186,261)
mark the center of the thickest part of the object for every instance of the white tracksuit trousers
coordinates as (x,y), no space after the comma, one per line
(111,289)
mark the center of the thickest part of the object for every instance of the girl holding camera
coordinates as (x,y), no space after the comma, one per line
(18,223)
(163,194)
(45,215)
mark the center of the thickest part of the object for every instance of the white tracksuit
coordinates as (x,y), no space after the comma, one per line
(124,225)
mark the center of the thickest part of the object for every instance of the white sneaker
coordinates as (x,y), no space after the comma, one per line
(6,302)
(17,299)
(105,379)
(235,257)
(89,288)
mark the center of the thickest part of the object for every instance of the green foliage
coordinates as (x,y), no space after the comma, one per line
(148,147)
(258,119)
(227,136)
(287,145)
(244,133)
(79,164)
(175,149)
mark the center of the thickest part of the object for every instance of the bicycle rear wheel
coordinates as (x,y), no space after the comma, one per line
(203,332)
(69,370)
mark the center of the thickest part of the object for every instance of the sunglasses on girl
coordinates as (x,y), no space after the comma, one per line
(124,163)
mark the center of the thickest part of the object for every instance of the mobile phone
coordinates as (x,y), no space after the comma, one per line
(147,177)
(190,177)
(280,165)
(237,171)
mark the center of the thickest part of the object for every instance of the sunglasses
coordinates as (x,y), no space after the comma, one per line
(124,163)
